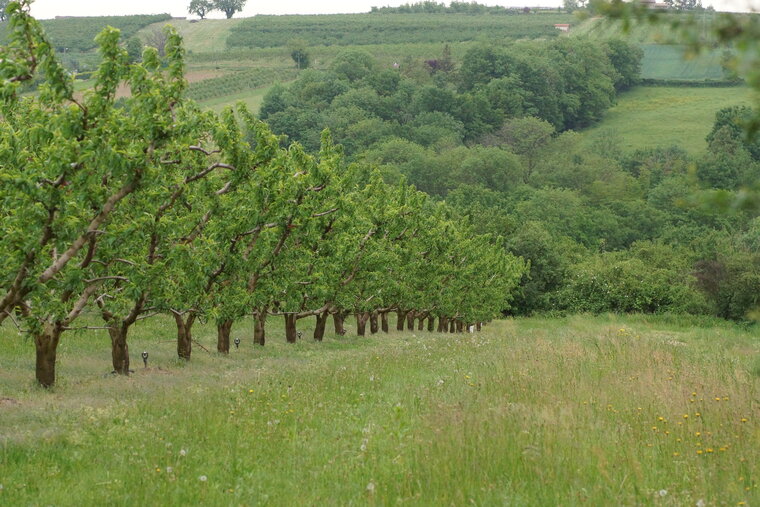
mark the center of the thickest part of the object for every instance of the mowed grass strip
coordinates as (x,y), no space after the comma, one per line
(630,410)
(648,117)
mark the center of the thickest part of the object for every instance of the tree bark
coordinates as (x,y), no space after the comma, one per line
(374,326)
(46,345)
(452,326)
(119,348)
(259,332)
(431,323)
(291,333)
(460,326)
(421,324)
(401,316)
(338,320)
(479,327)
(223,330)
(184,335)
(319,329)
(384,321)
(361,323)
(410,320)
(443,324)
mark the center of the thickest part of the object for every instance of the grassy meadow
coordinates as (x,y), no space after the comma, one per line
(647,117)
(631,410)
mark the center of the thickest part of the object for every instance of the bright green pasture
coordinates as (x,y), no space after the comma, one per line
(647,117)
(607,410)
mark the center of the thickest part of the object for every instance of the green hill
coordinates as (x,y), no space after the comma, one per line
(647,117)
(664,58)
(208,35)
(77,34)
(670,62)
(362,29)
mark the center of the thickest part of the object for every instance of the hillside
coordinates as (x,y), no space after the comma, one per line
(363,29)
(77,34)
(664,57)
(649,117)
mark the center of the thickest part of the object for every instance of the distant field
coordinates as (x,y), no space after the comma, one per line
(361,29)
(238,82)
(640,32)
(201,36)
(663,57)
(609,410)
(78,33)
(647,117)
(671,62)
(251,98)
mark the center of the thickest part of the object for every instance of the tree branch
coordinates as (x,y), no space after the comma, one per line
(205,152)
(101,217)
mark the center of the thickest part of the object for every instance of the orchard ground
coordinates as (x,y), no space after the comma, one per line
(659,410)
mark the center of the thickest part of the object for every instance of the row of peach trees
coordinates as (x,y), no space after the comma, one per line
(149,205)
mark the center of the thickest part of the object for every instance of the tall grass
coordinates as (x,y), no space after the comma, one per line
(623,410)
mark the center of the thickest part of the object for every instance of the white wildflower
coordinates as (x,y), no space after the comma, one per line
(203,478)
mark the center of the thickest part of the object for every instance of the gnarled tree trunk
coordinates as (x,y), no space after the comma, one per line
(453,326)
(460,326)
(374,326)
(479,327)
(401,316)
(361,323)
(291,333)
(384,321)
(259,331)
(443,324)
(46,345)
(421,323)
(431,324)
(319,329)
(410,320)
(339,318)
(223,330)
(184,335)
(119,348)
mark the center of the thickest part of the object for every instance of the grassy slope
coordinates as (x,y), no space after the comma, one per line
(647,117)
(204,36)
(672,62)
(662,58)
(641,33)
(540,412)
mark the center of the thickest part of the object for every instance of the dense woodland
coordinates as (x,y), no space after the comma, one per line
(493,136)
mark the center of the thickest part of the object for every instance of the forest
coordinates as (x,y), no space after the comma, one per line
(495,136)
